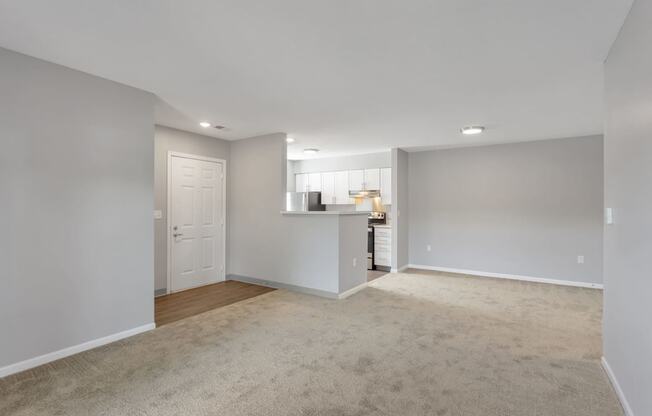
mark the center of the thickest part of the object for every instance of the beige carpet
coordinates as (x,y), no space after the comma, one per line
(411,344)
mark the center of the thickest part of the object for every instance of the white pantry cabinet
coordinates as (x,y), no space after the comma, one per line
(386,186)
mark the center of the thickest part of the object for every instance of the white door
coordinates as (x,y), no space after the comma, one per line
(328,188)
(314,182)
(386,185)
(342,188)
(301,182)
(196,221)
(372,179)
(356,180)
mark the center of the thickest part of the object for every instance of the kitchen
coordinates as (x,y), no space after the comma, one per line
(361,183)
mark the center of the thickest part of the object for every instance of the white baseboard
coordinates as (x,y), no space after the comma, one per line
(75,349)
(279,285)
(619,391)
(508,276)
(400,269)
(351,291)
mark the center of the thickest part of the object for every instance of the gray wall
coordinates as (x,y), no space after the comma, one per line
(352,244)
(76,179)
(525,209)
(169,139)
(400,212)
(297,250)
(332,164)
(628,190)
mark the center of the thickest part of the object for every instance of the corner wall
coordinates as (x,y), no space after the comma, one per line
(400,210)
(628,190)
(76,183)
(526,209)
(302,252)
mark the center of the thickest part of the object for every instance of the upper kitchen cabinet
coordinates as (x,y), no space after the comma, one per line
(308,182)
(364,179)
(314,182)
(356,180)
(386,186)
(301,182)
(342,188)
(328,193)
(371,179)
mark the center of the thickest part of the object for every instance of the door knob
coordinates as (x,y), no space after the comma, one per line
(175,235)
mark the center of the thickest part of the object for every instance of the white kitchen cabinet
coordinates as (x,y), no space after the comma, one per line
(356,180)
(383,246)
(386,186)
(364,179)
(371,179)
(341,179)
(308,182)
(328,193)
(314,182)
(301,182)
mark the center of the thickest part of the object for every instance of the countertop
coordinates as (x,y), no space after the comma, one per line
(325,213)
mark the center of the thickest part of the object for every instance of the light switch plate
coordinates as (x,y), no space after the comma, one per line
(158,214)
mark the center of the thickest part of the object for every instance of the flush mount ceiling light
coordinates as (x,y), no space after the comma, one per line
(310,151)
(205,124)
(472,130)
(289,140)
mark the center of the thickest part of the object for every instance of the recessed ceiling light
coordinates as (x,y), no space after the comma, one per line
(289,140)
(310,151)
(205,124)
(472,130)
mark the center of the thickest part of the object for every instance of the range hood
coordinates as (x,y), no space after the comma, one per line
(371,193)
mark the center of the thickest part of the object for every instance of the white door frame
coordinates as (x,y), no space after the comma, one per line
(172,154)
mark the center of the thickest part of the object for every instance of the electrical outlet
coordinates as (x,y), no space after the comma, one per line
(355,261)
(580,259)
(428,247)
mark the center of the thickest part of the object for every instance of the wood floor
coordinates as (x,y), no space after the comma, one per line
(375,274)
(176,306)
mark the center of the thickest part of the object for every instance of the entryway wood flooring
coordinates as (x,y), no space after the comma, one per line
(176,306)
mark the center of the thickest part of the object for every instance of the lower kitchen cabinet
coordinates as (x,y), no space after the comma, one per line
(383,246)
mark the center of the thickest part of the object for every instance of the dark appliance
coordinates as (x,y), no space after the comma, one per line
(304,201)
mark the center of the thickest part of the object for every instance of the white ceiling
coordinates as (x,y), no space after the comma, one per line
(345,76)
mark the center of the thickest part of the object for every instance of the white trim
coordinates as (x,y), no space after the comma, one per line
(400,269)
(508,276)
(351,291)
(172,154)
(619,391)
(75,349)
